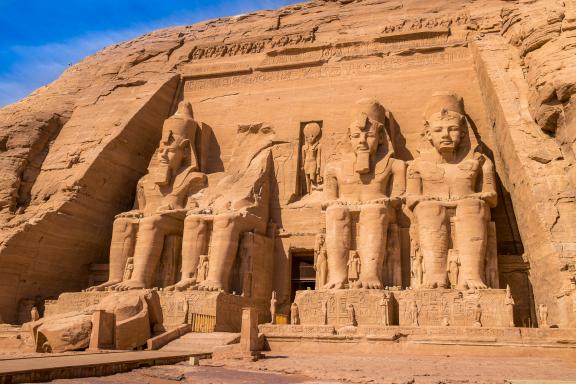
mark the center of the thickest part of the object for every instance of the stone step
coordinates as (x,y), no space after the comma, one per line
(204,342)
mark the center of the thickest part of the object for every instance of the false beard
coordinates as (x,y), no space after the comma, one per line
(162,175)
(362,165)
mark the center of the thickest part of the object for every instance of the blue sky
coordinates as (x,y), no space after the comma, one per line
(39,38)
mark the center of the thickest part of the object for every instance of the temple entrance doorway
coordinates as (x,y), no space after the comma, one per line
(303,273)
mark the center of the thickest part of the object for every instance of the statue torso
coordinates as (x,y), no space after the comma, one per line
(355,187)
(446,181)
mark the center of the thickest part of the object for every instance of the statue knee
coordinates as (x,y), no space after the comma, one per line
(225,221)
(337,214)
(150,223)
(374,212)
(430,212)
(195,222)
(473,207)
(123,224)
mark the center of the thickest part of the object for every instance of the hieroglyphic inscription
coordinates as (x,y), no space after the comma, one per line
(366,303)
(174,309)
(436,307)
(333,70)
(73,302)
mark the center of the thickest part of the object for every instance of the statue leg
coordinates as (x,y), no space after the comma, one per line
(194,244)
(433,241)
(471,237)
(338,238)
(224,247)
(149,245)
(121,248)
(372,244)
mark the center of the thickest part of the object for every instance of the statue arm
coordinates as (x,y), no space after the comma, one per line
(139,201)
(413,186)
(488,193)
(330,184)
(319,165)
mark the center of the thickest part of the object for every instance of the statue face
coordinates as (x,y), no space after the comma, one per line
(171,152)
(445,132)
(364,136)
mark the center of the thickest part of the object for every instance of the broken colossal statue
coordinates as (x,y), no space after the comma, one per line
(450,190)
(238,203)
(368,183)
(162,199)
(124,320)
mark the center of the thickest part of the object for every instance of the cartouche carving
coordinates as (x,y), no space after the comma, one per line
(162,197)
(367,181)
(451,182)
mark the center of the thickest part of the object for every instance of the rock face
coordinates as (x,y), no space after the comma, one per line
(285,83)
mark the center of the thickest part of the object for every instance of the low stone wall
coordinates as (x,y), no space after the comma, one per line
(205,311)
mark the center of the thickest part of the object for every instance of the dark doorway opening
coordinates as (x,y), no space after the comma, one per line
(303,274)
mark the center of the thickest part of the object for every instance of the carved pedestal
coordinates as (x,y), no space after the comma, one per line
(332,307)
(420,308)
(452,307)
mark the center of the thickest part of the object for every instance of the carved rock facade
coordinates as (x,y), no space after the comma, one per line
(301,153)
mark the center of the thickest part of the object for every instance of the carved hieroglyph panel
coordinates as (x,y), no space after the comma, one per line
(436,307)
(330,307)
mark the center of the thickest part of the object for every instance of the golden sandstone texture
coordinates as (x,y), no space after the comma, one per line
(421,144)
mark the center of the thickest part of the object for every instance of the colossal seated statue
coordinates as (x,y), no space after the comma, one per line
(368,182)
(238,203)
(450,190)
(160,207)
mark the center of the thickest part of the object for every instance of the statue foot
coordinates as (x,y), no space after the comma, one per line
(334,285)
(369,283)
(102,287)
(182,285)
(208,285)
(128,285)
(475,284)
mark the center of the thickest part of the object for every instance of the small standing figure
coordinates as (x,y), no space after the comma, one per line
(445,314)
(453,267)
(202,268)
(543,315)
(384,305)
(351,315)
(128,269)
(294,314)
(414,312)
(273,302)
(320,261)
(34,314)
(478,315)
(312,156)
(325,312)
(353,267)
(509,301)
(417,269)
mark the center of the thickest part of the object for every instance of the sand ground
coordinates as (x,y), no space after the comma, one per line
(386,369)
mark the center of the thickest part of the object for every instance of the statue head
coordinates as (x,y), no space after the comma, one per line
(176,145)
(445,122)
(366,132)
(312,133)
